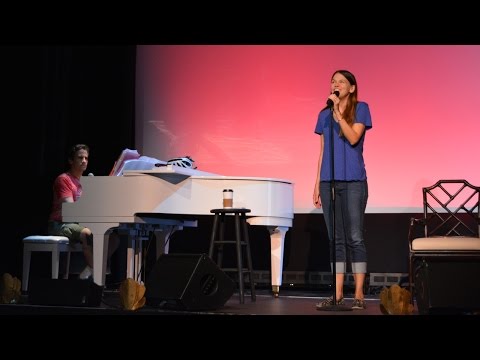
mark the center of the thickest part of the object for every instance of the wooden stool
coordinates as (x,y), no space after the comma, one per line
(240,226)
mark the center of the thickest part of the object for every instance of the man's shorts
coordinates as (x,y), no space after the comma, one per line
(70,230)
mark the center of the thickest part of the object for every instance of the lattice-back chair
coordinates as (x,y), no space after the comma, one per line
(449,227)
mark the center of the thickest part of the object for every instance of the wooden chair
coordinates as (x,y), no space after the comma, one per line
(447,233)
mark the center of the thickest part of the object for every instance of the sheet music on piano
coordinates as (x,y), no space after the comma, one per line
(125,155)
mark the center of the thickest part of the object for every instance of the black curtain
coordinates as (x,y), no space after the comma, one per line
(55,97)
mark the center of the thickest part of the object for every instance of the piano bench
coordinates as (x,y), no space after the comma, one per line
(219,222)
(49,243)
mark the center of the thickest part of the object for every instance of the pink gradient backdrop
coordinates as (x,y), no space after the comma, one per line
(250,110)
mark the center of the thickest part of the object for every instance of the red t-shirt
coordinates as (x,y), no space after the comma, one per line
(65,185)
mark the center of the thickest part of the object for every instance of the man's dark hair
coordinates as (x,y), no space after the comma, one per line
(75,148)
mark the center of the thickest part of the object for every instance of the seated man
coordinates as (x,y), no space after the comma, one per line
(67,188)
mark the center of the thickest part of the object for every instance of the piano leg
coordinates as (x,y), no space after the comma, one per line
(100,246)
(277,240)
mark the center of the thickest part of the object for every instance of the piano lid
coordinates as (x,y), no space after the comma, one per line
(169,172)
(111,198)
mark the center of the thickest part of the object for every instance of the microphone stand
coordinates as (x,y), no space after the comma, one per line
(334,306)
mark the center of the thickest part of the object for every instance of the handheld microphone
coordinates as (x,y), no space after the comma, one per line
(329,101)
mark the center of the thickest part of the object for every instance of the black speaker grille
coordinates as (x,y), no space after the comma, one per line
(189,282)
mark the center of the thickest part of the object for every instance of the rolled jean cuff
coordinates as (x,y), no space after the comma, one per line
(359,267)
(340,267)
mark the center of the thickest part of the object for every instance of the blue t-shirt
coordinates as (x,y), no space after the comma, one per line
(348,161)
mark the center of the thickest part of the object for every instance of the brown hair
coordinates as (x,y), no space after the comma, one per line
(352,101)
(75,148)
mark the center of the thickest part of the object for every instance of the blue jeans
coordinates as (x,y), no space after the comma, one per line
(350,204)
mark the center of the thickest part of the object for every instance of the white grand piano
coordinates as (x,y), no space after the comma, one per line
(110,201)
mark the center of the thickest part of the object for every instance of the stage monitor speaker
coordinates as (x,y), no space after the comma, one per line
(64,292)
(447,286)
(188,282)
